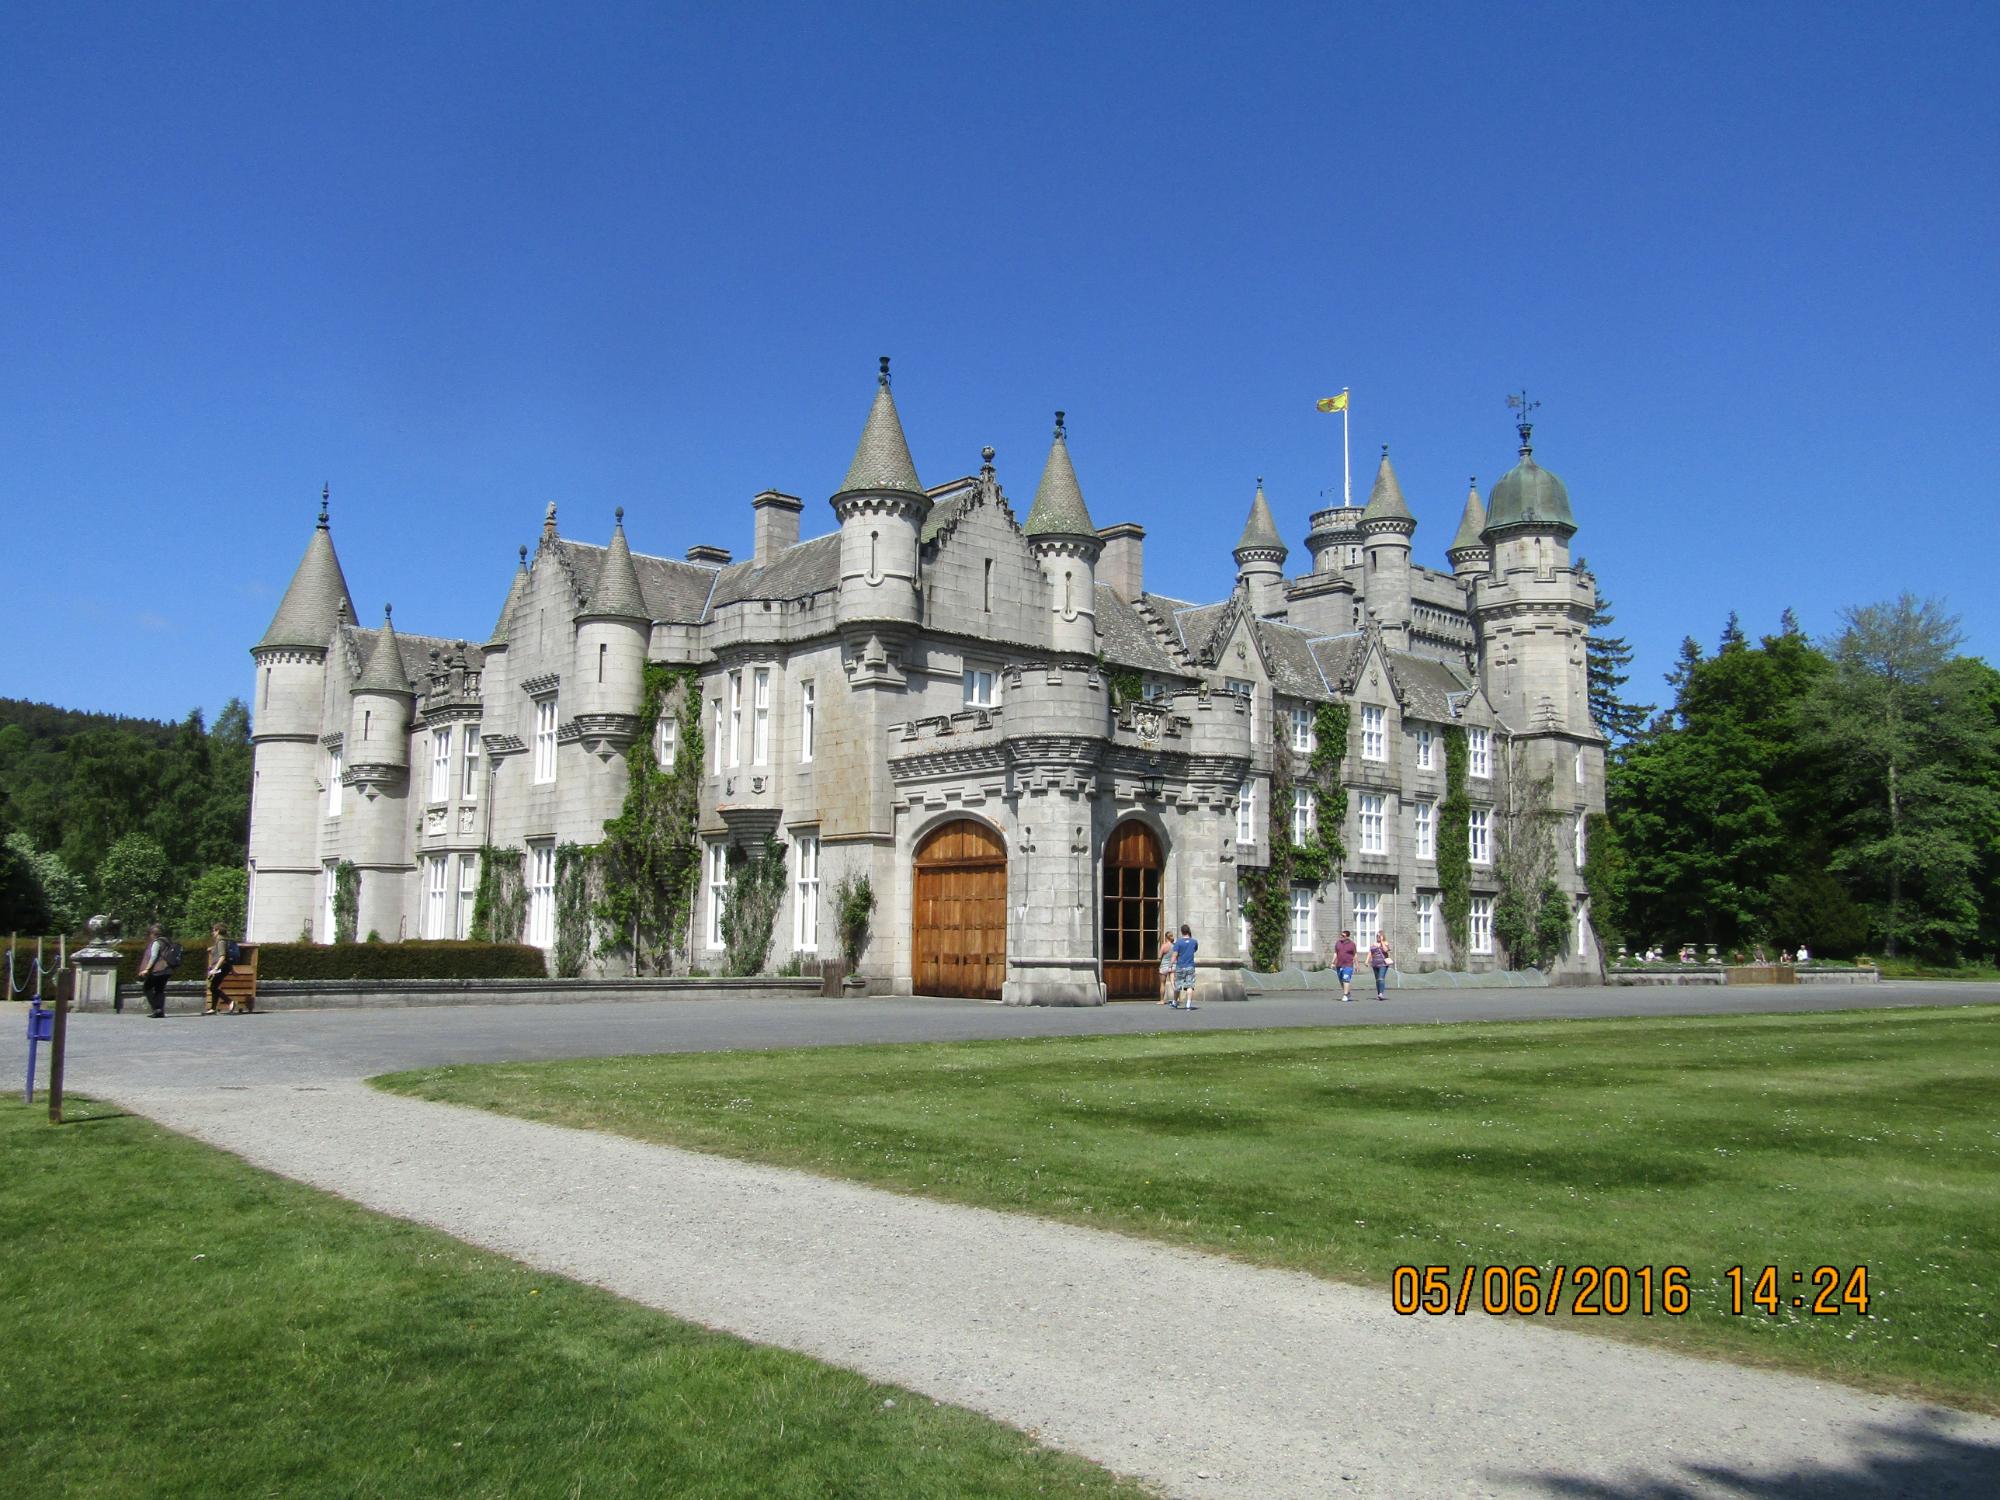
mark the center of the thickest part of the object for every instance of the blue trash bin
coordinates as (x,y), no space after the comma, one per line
(41,1023)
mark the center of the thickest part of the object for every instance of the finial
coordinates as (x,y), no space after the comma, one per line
(1260,481)
(883,378)
(550,513)
(1059,424)
(986,459)
(1473,481)
(524,554)
(1385,450)
(619,515)
(387,610)
(1523,410)
(325,490)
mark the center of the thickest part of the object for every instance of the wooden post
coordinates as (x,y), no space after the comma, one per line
(65,986)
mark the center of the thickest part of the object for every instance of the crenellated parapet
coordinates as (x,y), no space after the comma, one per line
(1060,699)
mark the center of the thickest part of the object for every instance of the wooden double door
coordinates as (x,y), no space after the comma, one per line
(1132,913)
(960,912)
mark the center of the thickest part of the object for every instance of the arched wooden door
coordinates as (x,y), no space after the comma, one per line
(1131,949)
(960,912)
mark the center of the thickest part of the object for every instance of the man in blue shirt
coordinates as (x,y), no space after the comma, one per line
(1184,947)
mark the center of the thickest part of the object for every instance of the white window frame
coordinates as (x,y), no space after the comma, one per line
(1302,919)
(1423,824)
(808,720)
(1482,925)
(435,889)
(1426,923)
(329,884)
(666,740)
(1302,728)
(1425,753)
(545,740)
(468,893)
(1246,811)
(1242,923)
(1581,837)
(805,893)
(441,764)
(1479,835)
(715,876)
(1579,765)
(1372,819)
(1374,732)
(981,687)
(736,718)
(1367,916)
(716,734)
(1479,752)
(469,754)
(336,767)
(542,892)
(760,717)
(1305,813)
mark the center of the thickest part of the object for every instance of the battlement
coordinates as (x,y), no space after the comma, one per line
(1066,698)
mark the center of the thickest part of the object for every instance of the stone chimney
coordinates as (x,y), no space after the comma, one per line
(1123,564)
(777,524)
(708,557)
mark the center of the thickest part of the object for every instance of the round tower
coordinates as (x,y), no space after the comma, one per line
(1386,528)
(1260,558)
(376,833)
(1468,553)
(290,757)
(1065,543)
(881,509)
(614,628)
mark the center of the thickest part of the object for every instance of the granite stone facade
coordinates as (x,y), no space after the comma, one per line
(934,665)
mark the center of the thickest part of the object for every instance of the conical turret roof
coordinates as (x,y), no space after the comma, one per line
(616,592)
(882,461)
(1059,509)
(311,606)
(1385,501)
(514,592)
(1260,530)
(1472,523)
(384,672)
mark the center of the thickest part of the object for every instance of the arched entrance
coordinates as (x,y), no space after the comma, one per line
(1131,949)
(959,914)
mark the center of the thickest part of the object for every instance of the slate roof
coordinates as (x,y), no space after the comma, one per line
(1289,659)
(1339,659)
(1197,625)
(882,460)
(615,592)
(807,568)
(672,590)
(948,503)
(1432,689)
(514,591)
(1385,501)
(413,650)
(1128,640)
(311,606)
(1260,530)
(1059,509)
(1471,524)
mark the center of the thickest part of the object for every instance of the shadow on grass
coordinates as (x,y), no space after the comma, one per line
(1922,1456)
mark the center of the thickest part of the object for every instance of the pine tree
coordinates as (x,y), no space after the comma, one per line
(1733,638)
(1607,656)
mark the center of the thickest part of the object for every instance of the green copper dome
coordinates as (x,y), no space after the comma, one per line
(1529,495)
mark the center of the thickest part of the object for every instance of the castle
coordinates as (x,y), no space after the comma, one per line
(1038,764)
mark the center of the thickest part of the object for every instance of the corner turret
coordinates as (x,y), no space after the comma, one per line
(614,628)
(881,508)
(1468,553)
(1386,528)
(1064,541)
(1260,558)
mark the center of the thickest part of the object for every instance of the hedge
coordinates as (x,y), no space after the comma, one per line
(412,960)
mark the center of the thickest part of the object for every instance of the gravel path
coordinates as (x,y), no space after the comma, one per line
(1204,1377)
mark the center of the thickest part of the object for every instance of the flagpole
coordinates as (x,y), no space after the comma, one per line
(1346,463)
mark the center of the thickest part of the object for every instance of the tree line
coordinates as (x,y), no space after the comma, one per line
(1841,793)
(141,819)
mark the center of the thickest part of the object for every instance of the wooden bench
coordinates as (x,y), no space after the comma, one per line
(239,985)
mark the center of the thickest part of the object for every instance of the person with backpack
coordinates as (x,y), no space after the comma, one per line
(156,965)
(222,956)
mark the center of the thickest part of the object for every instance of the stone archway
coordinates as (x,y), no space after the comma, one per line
(1132,913)
(959,912)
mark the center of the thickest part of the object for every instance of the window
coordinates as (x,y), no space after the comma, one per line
(336,766)
(735,718)
(1579,765)
(1353,556)
(666,739)
(469,787)
(805,893)
(1579,836)
(1482,924)
(1373,820)
(718,890)
(1582,931)
(760,717)
(1423,818)
(715,734)
(328,925)
(542,893)
(1424,751)
(545,739)
(1479,836)
(987,591)
(602,652)
(1302,729)
(468,892)
(1480,743)
(1238,686)
(808,720)
(436,912)
(1367,916)
(1242,922)
(1246,812)
(978,688)
(1427,906)
(1374,733)
(1302,919)
(1304,813)
(440,763)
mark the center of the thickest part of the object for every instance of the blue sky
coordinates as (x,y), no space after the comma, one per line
(462,261)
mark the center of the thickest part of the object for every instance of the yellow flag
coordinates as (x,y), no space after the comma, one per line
(1334,403)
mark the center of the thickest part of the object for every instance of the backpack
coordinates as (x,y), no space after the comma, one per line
(170,955)
(233,952)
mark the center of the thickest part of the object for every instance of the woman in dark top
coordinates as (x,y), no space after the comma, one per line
(1379,959)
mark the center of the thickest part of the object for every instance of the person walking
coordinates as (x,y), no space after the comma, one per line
(1167,967)
(1379,959)
(1343,964)
(153,971)
(218,968)
(1184,949)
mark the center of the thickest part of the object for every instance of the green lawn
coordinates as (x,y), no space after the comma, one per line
(1863,1138)
(175,1323)
(1912,968)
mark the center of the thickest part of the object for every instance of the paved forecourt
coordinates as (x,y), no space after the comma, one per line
(1203,1376)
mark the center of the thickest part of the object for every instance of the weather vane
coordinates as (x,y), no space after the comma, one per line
(1521,406)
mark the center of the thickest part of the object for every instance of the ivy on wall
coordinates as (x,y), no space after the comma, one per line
(500,900)
(346,900)
(1454,843)
(650,860)
(1315,860)
(1127,686)
(1531,913)
(853,909)
(756,889)
(579,890)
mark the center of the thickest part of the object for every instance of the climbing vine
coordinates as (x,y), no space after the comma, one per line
(853,908)
(1454,842)
(500,900)
(1127,686)
(579,889)
(1531,914)
(346,900)
(650,861)
(1313,861)
(756,889)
